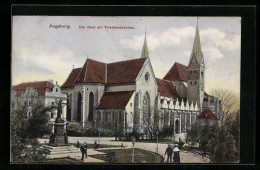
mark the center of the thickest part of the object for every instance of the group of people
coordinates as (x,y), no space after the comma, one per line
(176,153)
(83,149)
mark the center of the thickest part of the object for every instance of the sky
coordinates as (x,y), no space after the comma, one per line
(42,52)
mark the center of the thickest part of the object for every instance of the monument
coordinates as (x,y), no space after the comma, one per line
(59,138)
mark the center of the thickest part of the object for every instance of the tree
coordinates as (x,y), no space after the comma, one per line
(230,101)
(24,143)
(204,138)
(233,126)
(18,138)
(222,147)
(38,122)
(193,134)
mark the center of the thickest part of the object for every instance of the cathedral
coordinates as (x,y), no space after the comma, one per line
(127,95)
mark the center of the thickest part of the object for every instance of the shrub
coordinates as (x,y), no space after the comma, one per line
(92,131)
(166,132)
(74,129)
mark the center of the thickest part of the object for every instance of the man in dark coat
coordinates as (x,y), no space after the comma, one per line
(169,152)
(77,144)
(82,149)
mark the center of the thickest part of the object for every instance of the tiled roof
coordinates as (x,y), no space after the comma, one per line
(71,79)
(95,72)
(177,72)
(207,114)
(166,88)
(115,100)
(124,71)
(92,72)
(41,87)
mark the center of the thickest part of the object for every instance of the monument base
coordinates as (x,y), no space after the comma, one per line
(59,138)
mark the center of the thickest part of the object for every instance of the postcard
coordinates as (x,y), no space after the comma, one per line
(125,89)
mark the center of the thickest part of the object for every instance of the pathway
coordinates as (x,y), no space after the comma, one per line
(186,157)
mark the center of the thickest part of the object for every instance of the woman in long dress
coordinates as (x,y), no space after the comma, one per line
(176,154)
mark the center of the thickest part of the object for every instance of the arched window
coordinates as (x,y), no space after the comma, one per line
(51,114)
(91,105)
(146,110)
(79,107)
(68,116)
(195,82)
(177,126)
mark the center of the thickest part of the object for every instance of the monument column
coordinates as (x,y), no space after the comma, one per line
(59,138)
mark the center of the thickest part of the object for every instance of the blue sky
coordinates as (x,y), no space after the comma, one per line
(42,53)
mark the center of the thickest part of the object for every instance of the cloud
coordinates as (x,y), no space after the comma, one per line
(214,43)
(211,34)
(172,36)
(213,52)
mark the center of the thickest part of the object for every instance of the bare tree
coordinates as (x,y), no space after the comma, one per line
(230,102)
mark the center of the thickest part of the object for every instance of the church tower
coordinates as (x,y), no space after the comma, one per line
(145,52)
(196,73)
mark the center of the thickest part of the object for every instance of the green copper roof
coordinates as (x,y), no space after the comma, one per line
(196,51)
(145,52)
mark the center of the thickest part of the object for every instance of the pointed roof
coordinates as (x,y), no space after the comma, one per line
(145,52)
(196,50)
(177,72)
(115,100)
(72,78)
(166,88)
(207,114)
(124,71)
(97,72)
(92,72)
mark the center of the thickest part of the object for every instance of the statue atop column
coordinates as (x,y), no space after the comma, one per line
(59,138)
(59,112)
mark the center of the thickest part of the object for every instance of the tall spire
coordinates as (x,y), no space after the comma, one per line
(196,51)
(145,52)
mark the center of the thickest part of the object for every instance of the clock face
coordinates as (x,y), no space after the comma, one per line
(146,76)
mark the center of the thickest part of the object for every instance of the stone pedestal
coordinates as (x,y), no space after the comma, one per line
(59,138)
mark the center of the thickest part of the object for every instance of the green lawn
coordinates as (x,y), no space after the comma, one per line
(125,156)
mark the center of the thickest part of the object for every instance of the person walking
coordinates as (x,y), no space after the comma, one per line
(169,152)
(86,150)
(176,154)
(77,144)
(82,149)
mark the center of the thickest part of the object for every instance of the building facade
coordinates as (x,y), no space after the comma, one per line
(39,92)
(126,95)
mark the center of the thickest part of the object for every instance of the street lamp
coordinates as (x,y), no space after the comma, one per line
(157,133)
(133,142)
(98,134)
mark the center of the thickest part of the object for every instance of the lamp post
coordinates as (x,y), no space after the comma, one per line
(133,142)
(98,135)
(157,133)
